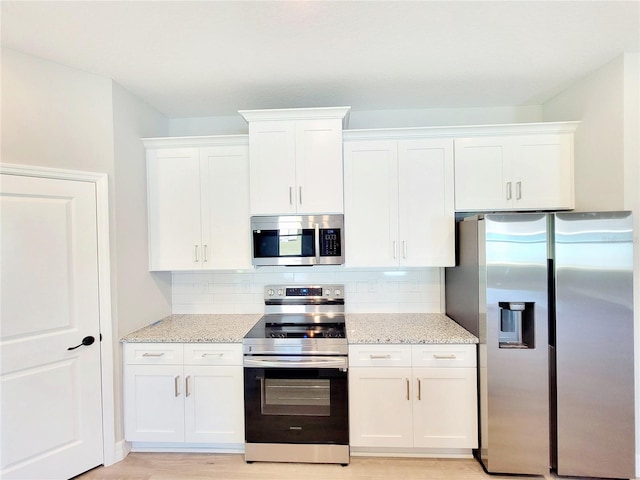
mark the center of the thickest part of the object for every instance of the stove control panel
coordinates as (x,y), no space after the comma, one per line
(302,292)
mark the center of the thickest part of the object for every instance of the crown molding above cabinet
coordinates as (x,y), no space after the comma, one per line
(460,131)
(319,113)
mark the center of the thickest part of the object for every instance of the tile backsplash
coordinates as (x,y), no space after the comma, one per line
(366,290)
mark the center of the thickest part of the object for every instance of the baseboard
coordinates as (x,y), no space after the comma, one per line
(412,452)
(122,450)
(186,447)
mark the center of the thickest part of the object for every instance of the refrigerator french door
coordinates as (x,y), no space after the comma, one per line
(550,298)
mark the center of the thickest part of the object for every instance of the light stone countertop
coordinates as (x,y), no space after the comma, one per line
(362,328)
(416,328)
(196,328)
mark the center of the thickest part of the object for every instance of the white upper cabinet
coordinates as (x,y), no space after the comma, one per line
(295,160)
(174,208)
(198,203)
(516,167)
(399,202)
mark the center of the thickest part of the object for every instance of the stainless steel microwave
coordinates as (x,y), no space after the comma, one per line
(298,240)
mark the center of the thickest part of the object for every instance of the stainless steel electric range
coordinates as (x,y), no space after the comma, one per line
(295,377)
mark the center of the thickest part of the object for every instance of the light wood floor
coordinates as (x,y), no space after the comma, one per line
(200,466)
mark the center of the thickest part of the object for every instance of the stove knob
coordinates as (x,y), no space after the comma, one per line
(280,292)
(327,292)
(270,292)
(338,292)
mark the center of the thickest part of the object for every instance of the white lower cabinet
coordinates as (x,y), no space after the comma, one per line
(183,393)
(409,398)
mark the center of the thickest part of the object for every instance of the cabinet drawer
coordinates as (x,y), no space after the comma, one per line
(213,354)
(153,353)
(454,355)
(380,355)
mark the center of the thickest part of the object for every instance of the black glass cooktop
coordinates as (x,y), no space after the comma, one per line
(298,326)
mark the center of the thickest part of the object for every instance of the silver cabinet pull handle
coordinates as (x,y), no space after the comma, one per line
(419,390)
(187,386)
(176,385)
(450,356)
(404,249)
(518,190)
(195,253)
(205,253)
(386,355)
(300,195)
(290,195)
(408,397)
(508,190)
(205,355)
(147,354)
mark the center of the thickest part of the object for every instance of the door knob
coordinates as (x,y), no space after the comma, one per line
(86,341)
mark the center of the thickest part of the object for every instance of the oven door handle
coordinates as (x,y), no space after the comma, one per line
(297,362)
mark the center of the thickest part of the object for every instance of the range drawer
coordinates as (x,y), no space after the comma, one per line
(380,355)
(450,355)
(153,353)
(213,354)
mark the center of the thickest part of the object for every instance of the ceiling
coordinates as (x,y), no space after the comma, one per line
(210,58)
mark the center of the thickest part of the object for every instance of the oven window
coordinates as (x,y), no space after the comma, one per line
(296,405)
(286,242)
(281,396)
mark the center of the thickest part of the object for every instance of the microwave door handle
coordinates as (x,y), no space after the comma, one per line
(317,242)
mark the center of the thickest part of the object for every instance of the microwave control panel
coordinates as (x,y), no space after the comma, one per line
(330,242)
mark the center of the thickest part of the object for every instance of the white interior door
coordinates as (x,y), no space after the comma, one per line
(51,409)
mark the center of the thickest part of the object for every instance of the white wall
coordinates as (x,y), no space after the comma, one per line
(58,117)
(142,297)
(435,117)
(607,154)
(139,296)
(597,101)
(55,116)
(185,127)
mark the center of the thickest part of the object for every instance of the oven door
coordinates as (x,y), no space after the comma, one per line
(300,403)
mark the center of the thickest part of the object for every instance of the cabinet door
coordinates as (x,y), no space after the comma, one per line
(481,174)
(173,190)
(153,403)
(426,209)
(319,172)
(445,408)
(380,407)
(542,172)
(214,404)
(272,167)
(371,204)
(225,207)
(520,172)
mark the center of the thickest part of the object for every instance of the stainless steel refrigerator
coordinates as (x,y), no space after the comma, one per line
(550,297)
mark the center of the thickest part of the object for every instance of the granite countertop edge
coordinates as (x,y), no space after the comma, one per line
(362,328)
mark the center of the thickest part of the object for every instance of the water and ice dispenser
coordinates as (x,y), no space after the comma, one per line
(516,325)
